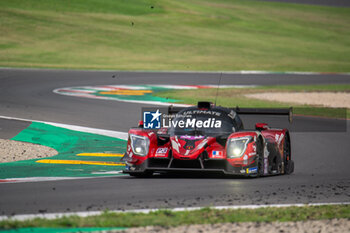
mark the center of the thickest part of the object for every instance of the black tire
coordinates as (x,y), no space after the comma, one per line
(289,168)
(287,159)
(145,174)
(260,156)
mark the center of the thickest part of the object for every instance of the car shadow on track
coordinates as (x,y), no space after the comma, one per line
(192,175)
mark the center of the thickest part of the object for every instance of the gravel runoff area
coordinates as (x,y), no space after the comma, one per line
(312,226)
(11,151)
(327,99)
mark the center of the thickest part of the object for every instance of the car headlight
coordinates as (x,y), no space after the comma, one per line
(139,144)
(237,146)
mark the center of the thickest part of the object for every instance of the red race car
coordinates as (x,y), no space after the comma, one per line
(209,138)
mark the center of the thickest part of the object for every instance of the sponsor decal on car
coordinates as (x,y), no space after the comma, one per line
(245,159)
(150,133)
(252,170)
(217,154)
(279,138)
(161,152)
(207,112)
(254,148)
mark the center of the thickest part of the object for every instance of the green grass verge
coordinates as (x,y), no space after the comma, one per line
(232,97)
(202,216)
(68,144)
(174,35)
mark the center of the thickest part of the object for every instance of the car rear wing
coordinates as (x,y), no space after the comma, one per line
(249,111)
(265,111)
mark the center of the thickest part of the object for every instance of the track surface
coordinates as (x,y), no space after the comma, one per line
(322,159)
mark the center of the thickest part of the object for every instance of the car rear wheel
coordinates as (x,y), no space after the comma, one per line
(260,156)
(288,162)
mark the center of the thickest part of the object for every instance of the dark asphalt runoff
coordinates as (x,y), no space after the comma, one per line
(10,128)
(322,159)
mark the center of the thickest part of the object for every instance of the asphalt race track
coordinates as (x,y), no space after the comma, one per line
(321,158)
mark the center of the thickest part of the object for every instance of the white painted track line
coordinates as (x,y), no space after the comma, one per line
(104,132)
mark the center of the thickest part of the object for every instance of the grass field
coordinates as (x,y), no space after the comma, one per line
(202,216)
(174,35)
(232,97)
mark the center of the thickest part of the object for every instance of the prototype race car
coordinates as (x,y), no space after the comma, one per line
(209,138)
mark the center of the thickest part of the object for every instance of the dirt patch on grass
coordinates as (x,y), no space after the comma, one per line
(11,151)
(326,99)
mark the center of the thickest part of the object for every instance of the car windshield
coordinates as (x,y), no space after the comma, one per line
(197,122)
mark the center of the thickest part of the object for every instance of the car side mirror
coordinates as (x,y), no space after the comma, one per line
(261,126)
(140,125)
